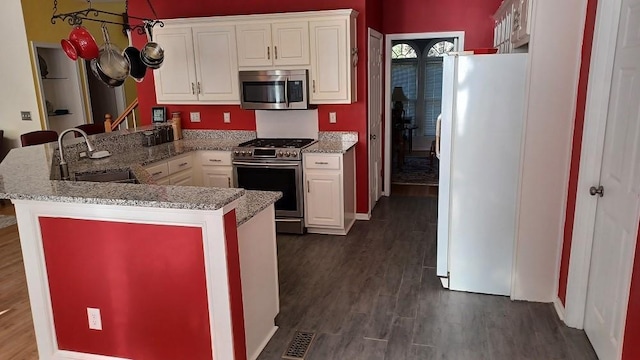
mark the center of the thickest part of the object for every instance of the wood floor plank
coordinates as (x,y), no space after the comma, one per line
(380,321)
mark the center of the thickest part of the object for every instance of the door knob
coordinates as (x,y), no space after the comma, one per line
(372,137)
(597,191)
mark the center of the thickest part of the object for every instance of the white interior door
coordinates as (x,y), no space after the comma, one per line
(616,224)
(375,117)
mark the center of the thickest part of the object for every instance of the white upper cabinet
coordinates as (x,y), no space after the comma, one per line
(200,65)
(176,79)
(217,67)
(273,44)
(334,59)
(512,26)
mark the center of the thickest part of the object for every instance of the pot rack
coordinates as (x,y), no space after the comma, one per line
(106,17)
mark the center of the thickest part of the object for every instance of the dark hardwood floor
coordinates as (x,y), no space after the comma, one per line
(374,295)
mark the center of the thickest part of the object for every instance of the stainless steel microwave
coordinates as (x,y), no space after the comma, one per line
(274,89)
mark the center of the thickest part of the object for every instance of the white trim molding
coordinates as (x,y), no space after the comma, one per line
(388,39)
(72,355)
(363,216)
(599,90)
(557,304)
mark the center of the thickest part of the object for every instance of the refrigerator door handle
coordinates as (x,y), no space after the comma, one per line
(438,127)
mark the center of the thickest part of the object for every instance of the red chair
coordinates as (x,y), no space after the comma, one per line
(91,129)
(38,137)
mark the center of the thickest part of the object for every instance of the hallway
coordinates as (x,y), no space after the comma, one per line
(374,295)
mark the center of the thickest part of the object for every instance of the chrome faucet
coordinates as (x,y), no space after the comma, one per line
(64,169)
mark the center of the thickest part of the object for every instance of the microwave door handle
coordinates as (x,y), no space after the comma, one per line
(286,91)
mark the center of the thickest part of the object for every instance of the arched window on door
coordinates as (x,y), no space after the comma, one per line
(432,101)
(405,59)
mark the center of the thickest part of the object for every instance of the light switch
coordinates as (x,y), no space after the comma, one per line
(332,117)
(227,117)
(25,115)
(195,116)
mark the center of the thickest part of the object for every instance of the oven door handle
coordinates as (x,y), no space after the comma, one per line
(266,164)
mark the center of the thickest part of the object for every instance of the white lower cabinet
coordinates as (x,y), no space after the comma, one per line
(183,178)
(217,170)
(329,188)
(174,171)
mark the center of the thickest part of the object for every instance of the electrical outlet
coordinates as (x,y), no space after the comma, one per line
(195,116)
(25,115)
(332,117)
(95,321)
(227,117)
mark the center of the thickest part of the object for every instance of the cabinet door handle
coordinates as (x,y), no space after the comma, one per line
(275,52)
(268,53)
(313,84)
(229,181)
(322,163)
(199,88)
(193,88)
(308,186)
(156,173)
(215,160)
(183,164)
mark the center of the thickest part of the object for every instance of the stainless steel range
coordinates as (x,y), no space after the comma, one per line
(275,165)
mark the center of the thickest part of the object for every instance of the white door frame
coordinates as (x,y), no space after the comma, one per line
(387,90)
(598,93)
(369,119)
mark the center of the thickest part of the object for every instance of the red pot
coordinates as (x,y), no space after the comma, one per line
(69,48)
(84,43)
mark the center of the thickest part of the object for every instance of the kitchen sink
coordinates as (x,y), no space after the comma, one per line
(122,176)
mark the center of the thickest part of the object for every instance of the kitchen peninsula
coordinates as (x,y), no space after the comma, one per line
(142,270)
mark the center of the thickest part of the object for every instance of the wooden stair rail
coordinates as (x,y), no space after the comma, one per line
(110,125)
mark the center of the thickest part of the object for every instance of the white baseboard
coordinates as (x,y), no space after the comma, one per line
(263,344)
(557,304)
(72,355)
(361,216)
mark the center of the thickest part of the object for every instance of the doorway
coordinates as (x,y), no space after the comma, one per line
(59,88)
(412,103)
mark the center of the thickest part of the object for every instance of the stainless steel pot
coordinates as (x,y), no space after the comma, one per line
(152,54)
(112,67)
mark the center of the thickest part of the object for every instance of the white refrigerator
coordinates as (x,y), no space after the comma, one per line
(480,147)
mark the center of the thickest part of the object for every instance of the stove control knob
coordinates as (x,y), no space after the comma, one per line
(280,154)
(243,153)
(294,154)
(236,153)
(287,154)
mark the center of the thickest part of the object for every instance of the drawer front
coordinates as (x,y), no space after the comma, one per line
(215,158)
(158,171)
(180,164)
(322,162)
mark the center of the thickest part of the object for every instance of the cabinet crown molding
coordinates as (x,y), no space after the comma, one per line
(272,17)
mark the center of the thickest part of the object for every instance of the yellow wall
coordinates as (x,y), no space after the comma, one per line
(37,18)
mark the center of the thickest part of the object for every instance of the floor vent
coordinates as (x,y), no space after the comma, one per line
(299,345)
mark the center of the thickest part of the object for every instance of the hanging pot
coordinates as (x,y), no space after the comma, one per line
(111,63)
(84,42)
(69,49)
(152,54)
(138,68)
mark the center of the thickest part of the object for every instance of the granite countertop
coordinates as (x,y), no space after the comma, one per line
(330,147)
(27,173)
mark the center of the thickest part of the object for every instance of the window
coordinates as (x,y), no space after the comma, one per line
(416,66)
(432,101)
(403,51)
(404,73)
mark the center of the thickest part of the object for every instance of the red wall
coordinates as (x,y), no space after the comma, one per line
(416,16)
(148,282)
(577,146)
(350,117)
